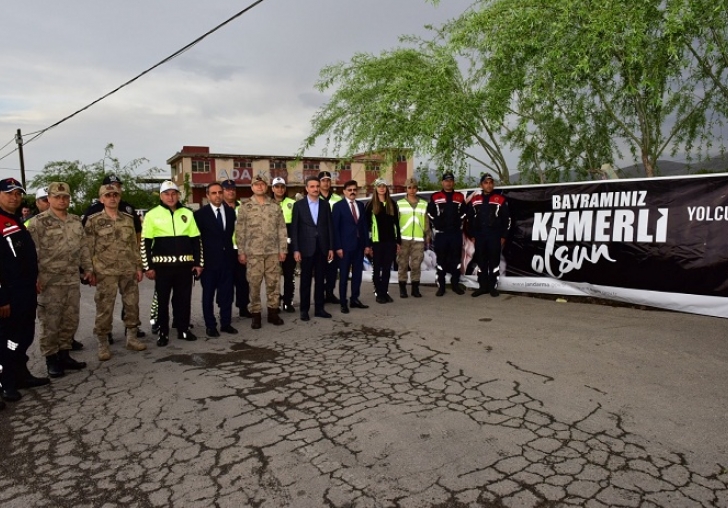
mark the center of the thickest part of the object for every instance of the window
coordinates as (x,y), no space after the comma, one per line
(278,165)
(372,167)
(200,166)
(401,158)
(312,166)
(343,166)
(242,165)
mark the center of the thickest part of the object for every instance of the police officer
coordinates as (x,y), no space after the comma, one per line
(262,245)
(446,211)
(240,276)
(18,277)
(114,251)
(489,221)
(326,193)
(171,252)
(289,265)
(59,242)
(128,210)
(415,229)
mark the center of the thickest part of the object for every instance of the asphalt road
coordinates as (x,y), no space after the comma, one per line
(432,402)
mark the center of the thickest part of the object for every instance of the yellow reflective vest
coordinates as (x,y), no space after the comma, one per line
(412,219)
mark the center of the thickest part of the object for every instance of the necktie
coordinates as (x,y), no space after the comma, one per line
(353,211)
(219,220)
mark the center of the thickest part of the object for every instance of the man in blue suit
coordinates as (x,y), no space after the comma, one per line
(351,243)
(313,246)
(216,223)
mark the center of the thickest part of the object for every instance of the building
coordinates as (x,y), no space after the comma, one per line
(195,167)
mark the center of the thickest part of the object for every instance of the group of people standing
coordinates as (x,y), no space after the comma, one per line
(232,248)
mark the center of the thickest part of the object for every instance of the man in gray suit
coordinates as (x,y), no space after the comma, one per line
(313,246)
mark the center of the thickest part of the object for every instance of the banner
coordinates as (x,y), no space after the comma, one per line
(659,242)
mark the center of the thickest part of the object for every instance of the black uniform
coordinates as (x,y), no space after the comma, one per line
(489,220)
(446,211)
(18,277)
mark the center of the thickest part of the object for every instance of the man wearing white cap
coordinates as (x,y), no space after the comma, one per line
(289,265)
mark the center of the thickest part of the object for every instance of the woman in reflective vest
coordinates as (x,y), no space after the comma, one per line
(383,219)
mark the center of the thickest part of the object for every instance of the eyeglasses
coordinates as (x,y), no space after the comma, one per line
(350,190)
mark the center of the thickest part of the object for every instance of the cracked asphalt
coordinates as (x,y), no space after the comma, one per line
(432,402)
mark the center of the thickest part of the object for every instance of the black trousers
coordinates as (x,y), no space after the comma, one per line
(313,269)
(177,282)
(289,268)
(332,271)
(240,282)
(217,286)
(487,255)
(449,252)
(16,336)
(383,254)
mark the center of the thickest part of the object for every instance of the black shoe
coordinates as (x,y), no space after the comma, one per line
(388,298)
(457,289)
(55,368)
(76,345)
(494,293)
(30,381)
(344,309)
(2,405)
(162,340)
(69,363)
(331,298)
(228,329)
(416,289)
(111,339)
(289,307)
(356,304)
(305,316)
(322,314)
(155,329)
(187,335)
(381,299)
(478,292)
(212,332)
(403,290)
(245,313)
(140,333)
(440,291)
(11,395)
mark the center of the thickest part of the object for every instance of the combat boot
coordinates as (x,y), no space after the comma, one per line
(403,290)
(257,318)
(54,366)
(69,363)
(416,289)
(273,316)
(104,352)
(132,342)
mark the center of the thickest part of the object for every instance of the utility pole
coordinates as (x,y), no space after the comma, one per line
(19,141)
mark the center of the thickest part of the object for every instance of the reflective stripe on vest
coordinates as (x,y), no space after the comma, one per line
(412,220)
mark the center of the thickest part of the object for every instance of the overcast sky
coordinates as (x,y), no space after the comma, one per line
(247,88)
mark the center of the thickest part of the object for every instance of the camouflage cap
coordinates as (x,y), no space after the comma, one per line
(410,182)
(59,189)
(260,177)
(108,189)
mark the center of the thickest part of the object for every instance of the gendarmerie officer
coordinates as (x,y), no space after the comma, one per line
(446,211)
(18,295)
(489,221)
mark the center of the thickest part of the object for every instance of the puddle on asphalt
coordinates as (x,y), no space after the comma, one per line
(239,353)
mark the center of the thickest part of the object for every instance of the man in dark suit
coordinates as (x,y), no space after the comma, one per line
(216,223)
(351,243)
(312,243)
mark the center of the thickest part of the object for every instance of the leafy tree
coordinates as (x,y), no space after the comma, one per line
(85,180)
(415,97)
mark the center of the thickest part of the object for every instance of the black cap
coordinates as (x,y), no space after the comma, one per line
(448,176)
(10,184)
(324,174)
(228,184)
(112,179)
(486,176)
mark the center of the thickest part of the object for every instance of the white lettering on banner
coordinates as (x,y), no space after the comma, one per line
(708,213)
(566,263)
(599,200)
(599,226)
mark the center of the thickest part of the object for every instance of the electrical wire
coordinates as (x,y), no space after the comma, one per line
(37,134)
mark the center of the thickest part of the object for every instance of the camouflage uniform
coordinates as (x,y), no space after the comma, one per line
(61,250)
(261,235)
(114,252)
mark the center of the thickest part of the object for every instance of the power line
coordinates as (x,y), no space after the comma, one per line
(39,133)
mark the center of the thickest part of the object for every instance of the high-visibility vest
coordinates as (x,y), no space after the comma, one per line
(333,199)
(412,219)
(375,228)
(287,207)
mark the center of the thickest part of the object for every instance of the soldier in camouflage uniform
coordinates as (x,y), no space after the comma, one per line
(58,237)
(117,264)
(262,245)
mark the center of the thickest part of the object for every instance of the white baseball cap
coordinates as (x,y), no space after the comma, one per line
(279,181)
(168,185)
(41,193)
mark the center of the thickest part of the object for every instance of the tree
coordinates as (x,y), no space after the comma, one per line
(85,180)
(415,98)
(580,79)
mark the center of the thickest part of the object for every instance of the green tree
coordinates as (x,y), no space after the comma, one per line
(85,180)
(414,97)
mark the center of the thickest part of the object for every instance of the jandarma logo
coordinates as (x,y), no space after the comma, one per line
(601,218)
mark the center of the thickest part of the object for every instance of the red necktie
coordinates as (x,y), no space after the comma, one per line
(353,212)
